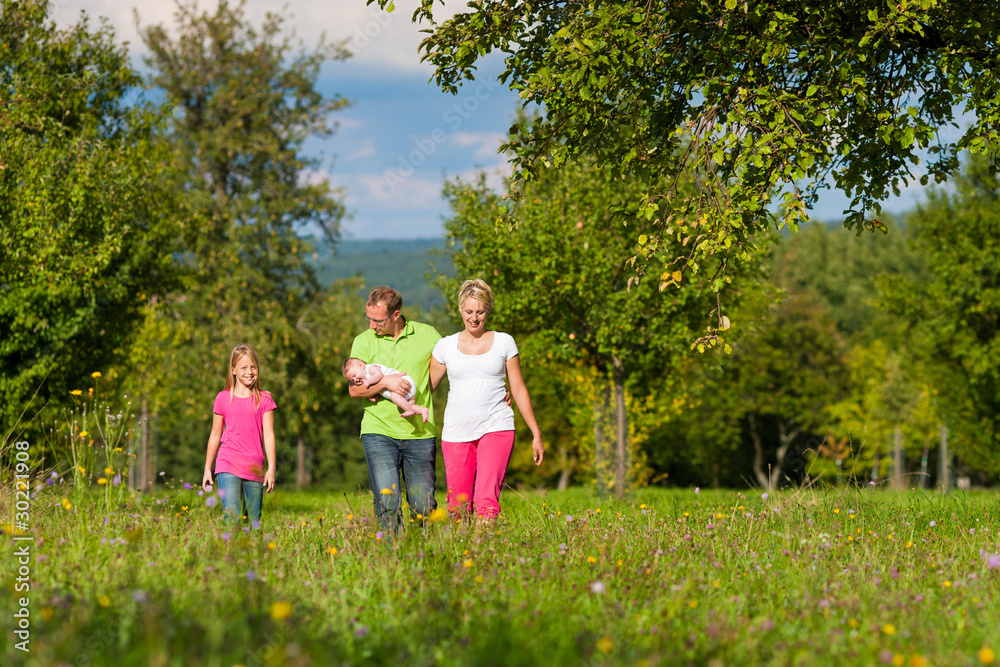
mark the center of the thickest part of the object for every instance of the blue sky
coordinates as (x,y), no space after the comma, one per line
(401,137)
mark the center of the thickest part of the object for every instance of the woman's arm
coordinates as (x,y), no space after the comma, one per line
(269,449)
(437,373)
(213,448)
(523,401)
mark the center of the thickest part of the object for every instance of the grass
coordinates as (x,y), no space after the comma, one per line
(669,577)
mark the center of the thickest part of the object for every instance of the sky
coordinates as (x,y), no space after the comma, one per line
(401,137)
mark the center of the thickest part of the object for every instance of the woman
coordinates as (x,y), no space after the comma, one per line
(478,434)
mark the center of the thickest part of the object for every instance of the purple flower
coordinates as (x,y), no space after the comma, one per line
(187,486)
(763,496)
(255,524)
(116,480)
(140,596)
(361,631)
(933,523)
(597,587)
(872,483)
(993,562)
(569,518)
(697,490)
(211,501)
(251,575)
(378,536)
(824,603)
(227,536)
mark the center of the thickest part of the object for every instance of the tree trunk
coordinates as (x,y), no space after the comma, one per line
(758,452)
(302,476)
(600,411)
(923,462)
(943,480)
(897,458)
(621,429)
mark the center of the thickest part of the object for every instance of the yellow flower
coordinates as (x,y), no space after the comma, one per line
(76,392)
(83,434)
(479,579)
(350,517)
(66,503)
(95,374)
(272,545)
(898,660)
(333,551)
(836,510)
(946,584)
(184,508)
(605,645)
(591,559)
(986,655)
(109,471)
(620,561)
(104,601)
(917,660)
(118,450)
(719,515)
(438,514)
(386,492)
(642,506)
(281,610)
(47,613)
(467,562)
(102,480)
(889,629)
(693,604)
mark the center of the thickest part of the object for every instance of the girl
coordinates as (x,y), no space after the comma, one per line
(247,414)
(478,434)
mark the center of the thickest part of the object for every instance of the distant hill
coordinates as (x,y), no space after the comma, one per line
(403,264)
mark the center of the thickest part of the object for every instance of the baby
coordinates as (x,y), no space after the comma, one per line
(360,373)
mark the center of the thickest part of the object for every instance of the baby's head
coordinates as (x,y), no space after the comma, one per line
(354,369)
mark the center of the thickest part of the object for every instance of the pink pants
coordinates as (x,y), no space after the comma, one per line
(475,471)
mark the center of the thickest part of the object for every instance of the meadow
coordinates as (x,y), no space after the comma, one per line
(861,576)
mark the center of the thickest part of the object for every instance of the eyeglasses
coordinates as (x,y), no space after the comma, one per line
(380,322)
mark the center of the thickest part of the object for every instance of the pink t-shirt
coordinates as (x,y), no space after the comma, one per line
(241,451)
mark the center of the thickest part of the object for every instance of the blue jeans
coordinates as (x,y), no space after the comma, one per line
(235,492)
(385,457)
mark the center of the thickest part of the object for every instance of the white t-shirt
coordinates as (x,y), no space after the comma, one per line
(476,388)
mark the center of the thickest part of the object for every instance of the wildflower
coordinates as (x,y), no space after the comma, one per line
(76,392)
(933,523)
(591,559)
(467,563)
(917,660)
(187,486)
(361,632)
(116,480)
(95,374)
(83,434)
(569,518)
(597,587)
(993,561)
(437,515)
(333,551)
(379,535)
(102,480)
(836,510)
(946,584)
(872,483)
(693,604)
(66,503)
(211,501)
(986,655)
(763,496)
(227,536)
(251,575)
(104,601)
(272,545)
(898,660)
(697,490)
(889,629)
(605,645)
(140,596)
(109,470)
(280,610)
(184,508)
(386,492)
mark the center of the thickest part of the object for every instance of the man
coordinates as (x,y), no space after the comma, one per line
(393,443)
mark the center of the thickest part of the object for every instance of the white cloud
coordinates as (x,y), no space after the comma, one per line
(397,192)
(486,143)
(367,149)
(377,39)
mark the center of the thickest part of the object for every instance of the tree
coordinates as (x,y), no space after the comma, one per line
(84,233)
(563,280)
(952,312)
(242,102)
(755,99)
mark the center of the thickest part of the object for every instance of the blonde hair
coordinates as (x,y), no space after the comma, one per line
(238,353)
(476,289)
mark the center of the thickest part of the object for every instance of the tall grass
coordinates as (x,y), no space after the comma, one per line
(810,577)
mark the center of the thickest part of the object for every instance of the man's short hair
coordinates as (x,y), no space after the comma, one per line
(387,296)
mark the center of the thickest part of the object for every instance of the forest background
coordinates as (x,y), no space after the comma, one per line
(151,220)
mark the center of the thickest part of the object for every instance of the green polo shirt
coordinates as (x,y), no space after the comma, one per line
(410,354)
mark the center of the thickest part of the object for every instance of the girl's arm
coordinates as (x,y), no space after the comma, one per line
(523,401)
(269,449)
(438,371)
(213,448)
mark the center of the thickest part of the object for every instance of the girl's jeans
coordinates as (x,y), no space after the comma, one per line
(235,493)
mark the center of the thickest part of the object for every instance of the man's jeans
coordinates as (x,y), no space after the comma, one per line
(235,492)
(385,457)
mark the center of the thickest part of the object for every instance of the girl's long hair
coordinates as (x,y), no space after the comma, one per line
(238,353)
